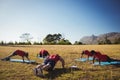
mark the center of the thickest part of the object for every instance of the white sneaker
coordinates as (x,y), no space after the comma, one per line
(40,72)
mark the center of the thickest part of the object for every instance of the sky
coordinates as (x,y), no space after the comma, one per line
(73,19)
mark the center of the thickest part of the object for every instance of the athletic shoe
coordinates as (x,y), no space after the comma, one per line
(35,71)
(40,72)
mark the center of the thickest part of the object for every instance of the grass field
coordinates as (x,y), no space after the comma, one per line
(23,71)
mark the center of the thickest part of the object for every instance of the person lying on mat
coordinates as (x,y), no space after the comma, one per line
(101,57)
(18,52)
(49,64)
(43,53)
(86,52)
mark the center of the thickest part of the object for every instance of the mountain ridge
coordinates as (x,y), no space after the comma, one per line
(111,37)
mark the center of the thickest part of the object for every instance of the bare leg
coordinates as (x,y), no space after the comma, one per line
(40,66)
(111,59)
(46,67)
(88,58)
(38,70)
(115,60)
(43,66)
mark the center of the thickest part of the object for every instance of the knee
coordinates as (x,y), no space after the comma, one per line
(38,66)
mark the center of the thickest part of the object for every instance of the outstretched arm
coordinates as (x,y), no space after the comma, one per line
(82,54)
(62,61)
(23,58)
(93,59)
(88,57)
(99,61)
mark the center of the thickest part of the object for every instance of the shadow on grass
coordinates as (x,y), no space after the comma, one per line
(58,72)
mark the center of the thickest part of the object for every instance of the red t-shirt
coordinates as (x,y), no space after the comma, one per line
(43,52)
(101,57)
(54,57)
(86,52)
(20,52)
(97,54)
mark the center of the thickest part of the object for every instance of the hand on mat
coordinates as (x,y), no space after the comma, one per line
(90,62)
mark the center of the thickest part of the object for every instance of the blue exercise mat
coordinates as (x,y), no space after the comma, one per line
(107,63)
(20,60)
(40,57)
(84,59)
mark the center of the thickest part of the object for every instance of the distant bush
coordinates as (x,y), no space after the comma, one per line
(37,43)
(78,43)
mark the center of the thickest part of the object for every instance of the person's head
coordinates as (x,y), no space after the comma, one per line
(58,55)
(92,52)
(85,51)
(26,54)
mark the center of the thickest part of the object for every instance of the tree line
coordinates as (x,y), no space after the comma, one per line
(51,39)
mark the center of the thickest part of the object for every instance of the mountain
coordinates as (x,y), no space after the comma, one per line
(107,38)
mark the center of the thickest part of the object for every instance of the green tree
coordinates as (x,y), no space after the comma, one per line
(52,38)
(10,43)
(55,39)
(78,43)
(37,43)
(64,42)
(2,43)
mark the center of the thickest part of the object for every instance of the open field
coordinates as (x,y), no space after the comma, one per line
(23,71)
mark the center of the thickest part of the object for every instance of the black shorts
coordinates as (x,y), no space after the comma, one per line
(51,62)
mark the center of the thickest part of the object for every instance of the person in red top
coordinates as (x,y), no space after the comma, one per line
(100,57)
(49,64)
(18,52)
(43,53)
(86,52)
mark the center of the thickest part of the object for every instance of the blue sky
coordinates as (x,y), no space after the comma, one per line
(72,18)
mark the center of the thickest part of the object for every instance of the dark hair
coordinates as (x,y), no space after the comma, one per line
(92,52)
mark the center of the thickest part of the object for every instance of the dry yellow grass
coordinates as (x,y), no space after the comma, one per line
(22,71)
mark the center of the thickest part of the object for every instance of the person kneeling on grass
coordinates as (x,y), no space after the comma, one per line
(49,64)
(43,53)
(101,57)
(17,52)
(86,52)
